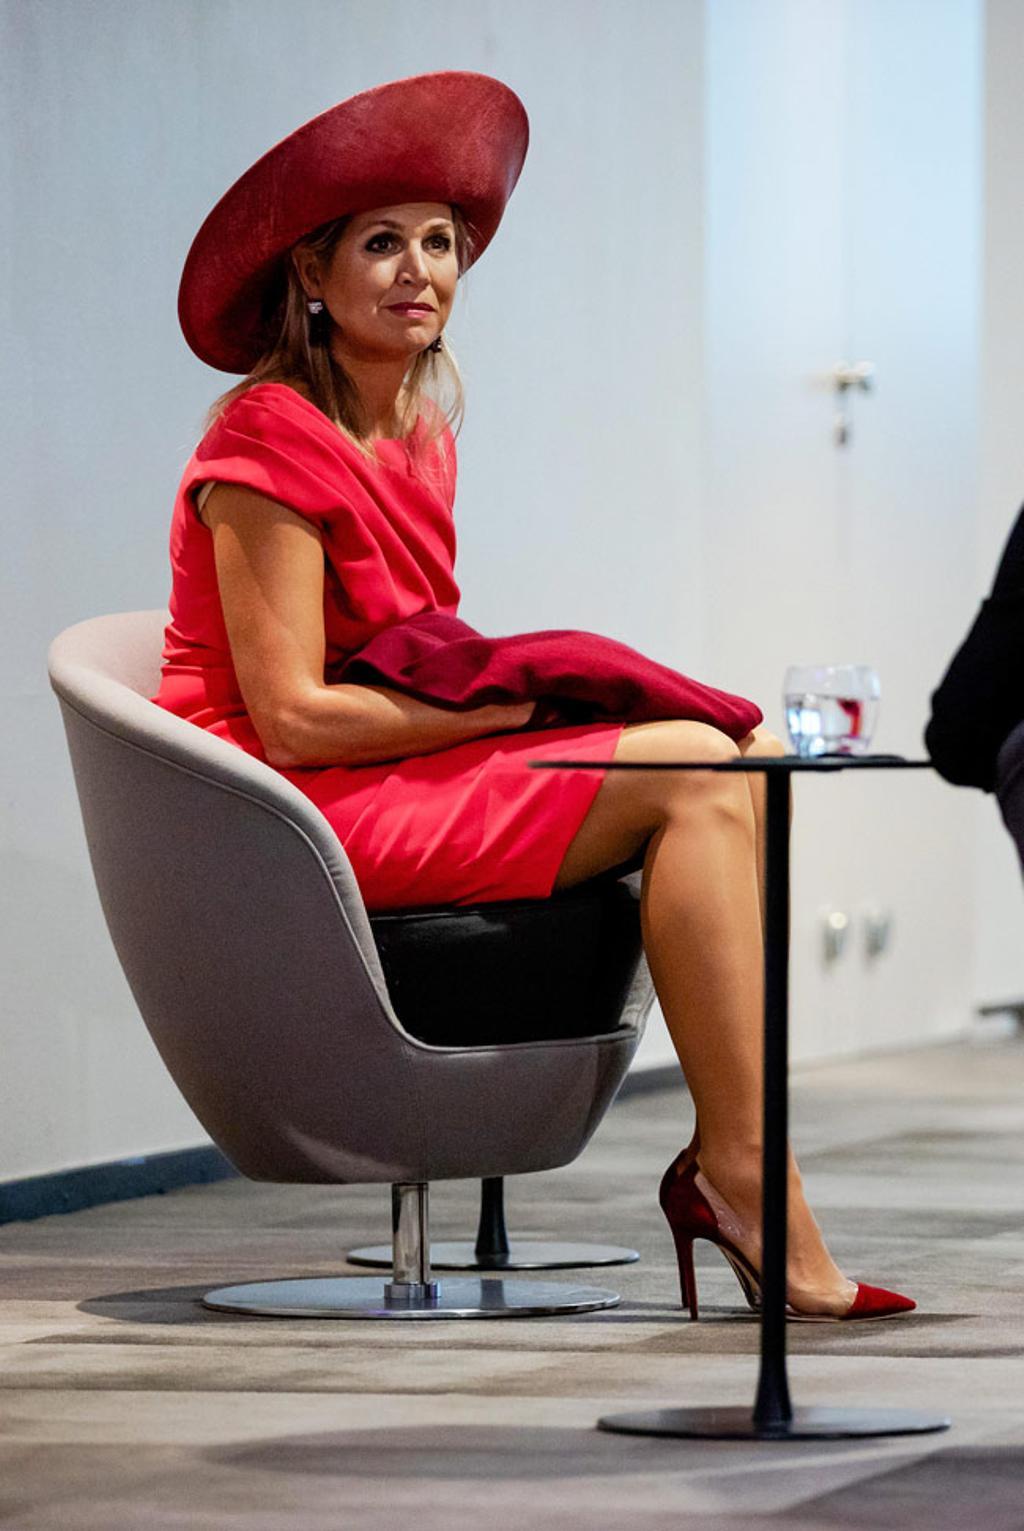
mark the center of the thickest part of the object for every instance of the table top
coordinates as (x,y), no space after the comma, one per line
(787,763)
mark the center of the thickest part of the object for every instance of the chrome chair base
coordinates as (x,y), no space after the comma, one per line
(369,1297)
(523,1255)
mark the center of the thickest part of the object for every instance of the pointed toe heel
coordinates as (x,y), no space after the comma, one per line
(691,1216)
(876,1302)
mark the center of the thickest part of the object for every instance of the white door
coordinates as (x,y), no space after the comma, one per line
(843,224)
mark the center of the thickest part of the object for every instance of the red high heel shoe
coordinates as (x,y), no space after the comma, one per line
(691,1216)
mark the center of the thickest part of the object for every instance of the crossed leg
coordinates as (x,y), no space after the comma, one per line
(613,827)
(701,910)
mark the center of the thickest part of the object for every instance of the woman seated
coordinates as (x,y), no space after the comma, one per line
(317,511)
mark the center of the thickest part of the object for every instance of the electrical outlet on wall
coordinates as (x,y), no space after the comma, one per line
(835,930)
(877,928)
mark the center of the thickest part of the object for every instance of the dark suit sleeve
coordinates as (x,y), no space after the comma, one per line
(981,696)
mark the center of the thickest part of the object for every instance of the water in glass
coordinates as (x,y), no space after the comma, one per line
(831,709)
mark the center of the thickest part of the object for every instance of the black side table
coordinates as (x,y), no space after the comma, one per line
(773,1417)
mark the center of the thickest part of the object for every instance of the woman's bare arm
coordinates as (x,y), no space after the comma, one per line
(270,573)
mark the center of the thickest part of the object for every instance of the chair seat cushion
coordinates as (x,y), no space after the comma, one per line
(521,970)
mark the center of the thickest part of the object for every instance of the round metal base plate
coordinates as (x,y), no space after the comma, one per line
(806,1424)
(364,1297)
(523,1255)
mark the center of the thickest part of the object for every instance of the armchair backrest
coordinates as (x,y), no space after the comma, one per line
(237,920)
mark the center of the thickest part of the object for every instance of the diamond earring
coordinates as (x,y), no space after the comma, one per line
(314,306)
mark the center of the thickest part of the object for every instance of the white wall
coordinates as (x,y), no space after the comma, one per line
(581,334)
(120,124)
(842,181)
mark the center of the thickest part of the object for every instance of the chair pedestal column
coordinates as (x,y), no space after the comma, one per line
(411,1283)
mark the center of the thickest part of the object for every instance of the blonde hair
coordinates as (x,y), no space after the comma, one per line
(298,354)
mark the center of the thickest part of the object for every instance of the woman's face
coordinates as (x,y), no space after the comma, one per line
(390,282)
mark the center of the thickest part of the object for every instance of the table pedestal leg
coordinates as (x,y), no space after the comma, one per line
(773,1417)
(773,1412)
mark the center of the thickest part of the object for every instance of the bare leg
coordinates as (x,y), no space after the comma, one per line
(760,742)
(701,918)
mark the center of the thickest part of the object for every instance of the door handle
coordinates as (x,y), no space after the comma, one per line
(847,375)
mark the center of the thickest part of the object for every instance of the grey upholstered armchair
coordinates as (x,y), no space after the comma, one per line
(241,930)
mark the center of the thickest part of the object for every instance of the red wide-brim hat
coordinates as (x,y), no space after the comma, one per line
(450,137)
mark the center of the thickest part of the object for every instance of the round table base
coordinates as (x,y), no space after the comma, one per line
(737,1424)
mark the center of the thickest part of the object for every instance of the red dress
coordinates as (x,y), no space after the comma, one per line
(466,824)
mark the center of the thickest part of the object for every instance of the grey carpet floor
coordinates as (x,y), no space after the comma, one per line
(125,1405)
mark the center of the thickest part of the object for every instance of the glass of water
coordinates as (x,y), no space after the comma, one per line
(831,709)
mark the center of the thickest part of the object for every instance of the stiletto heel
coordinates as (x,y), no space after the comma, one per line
(691,1216)
(687,1274)
(682,1234)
